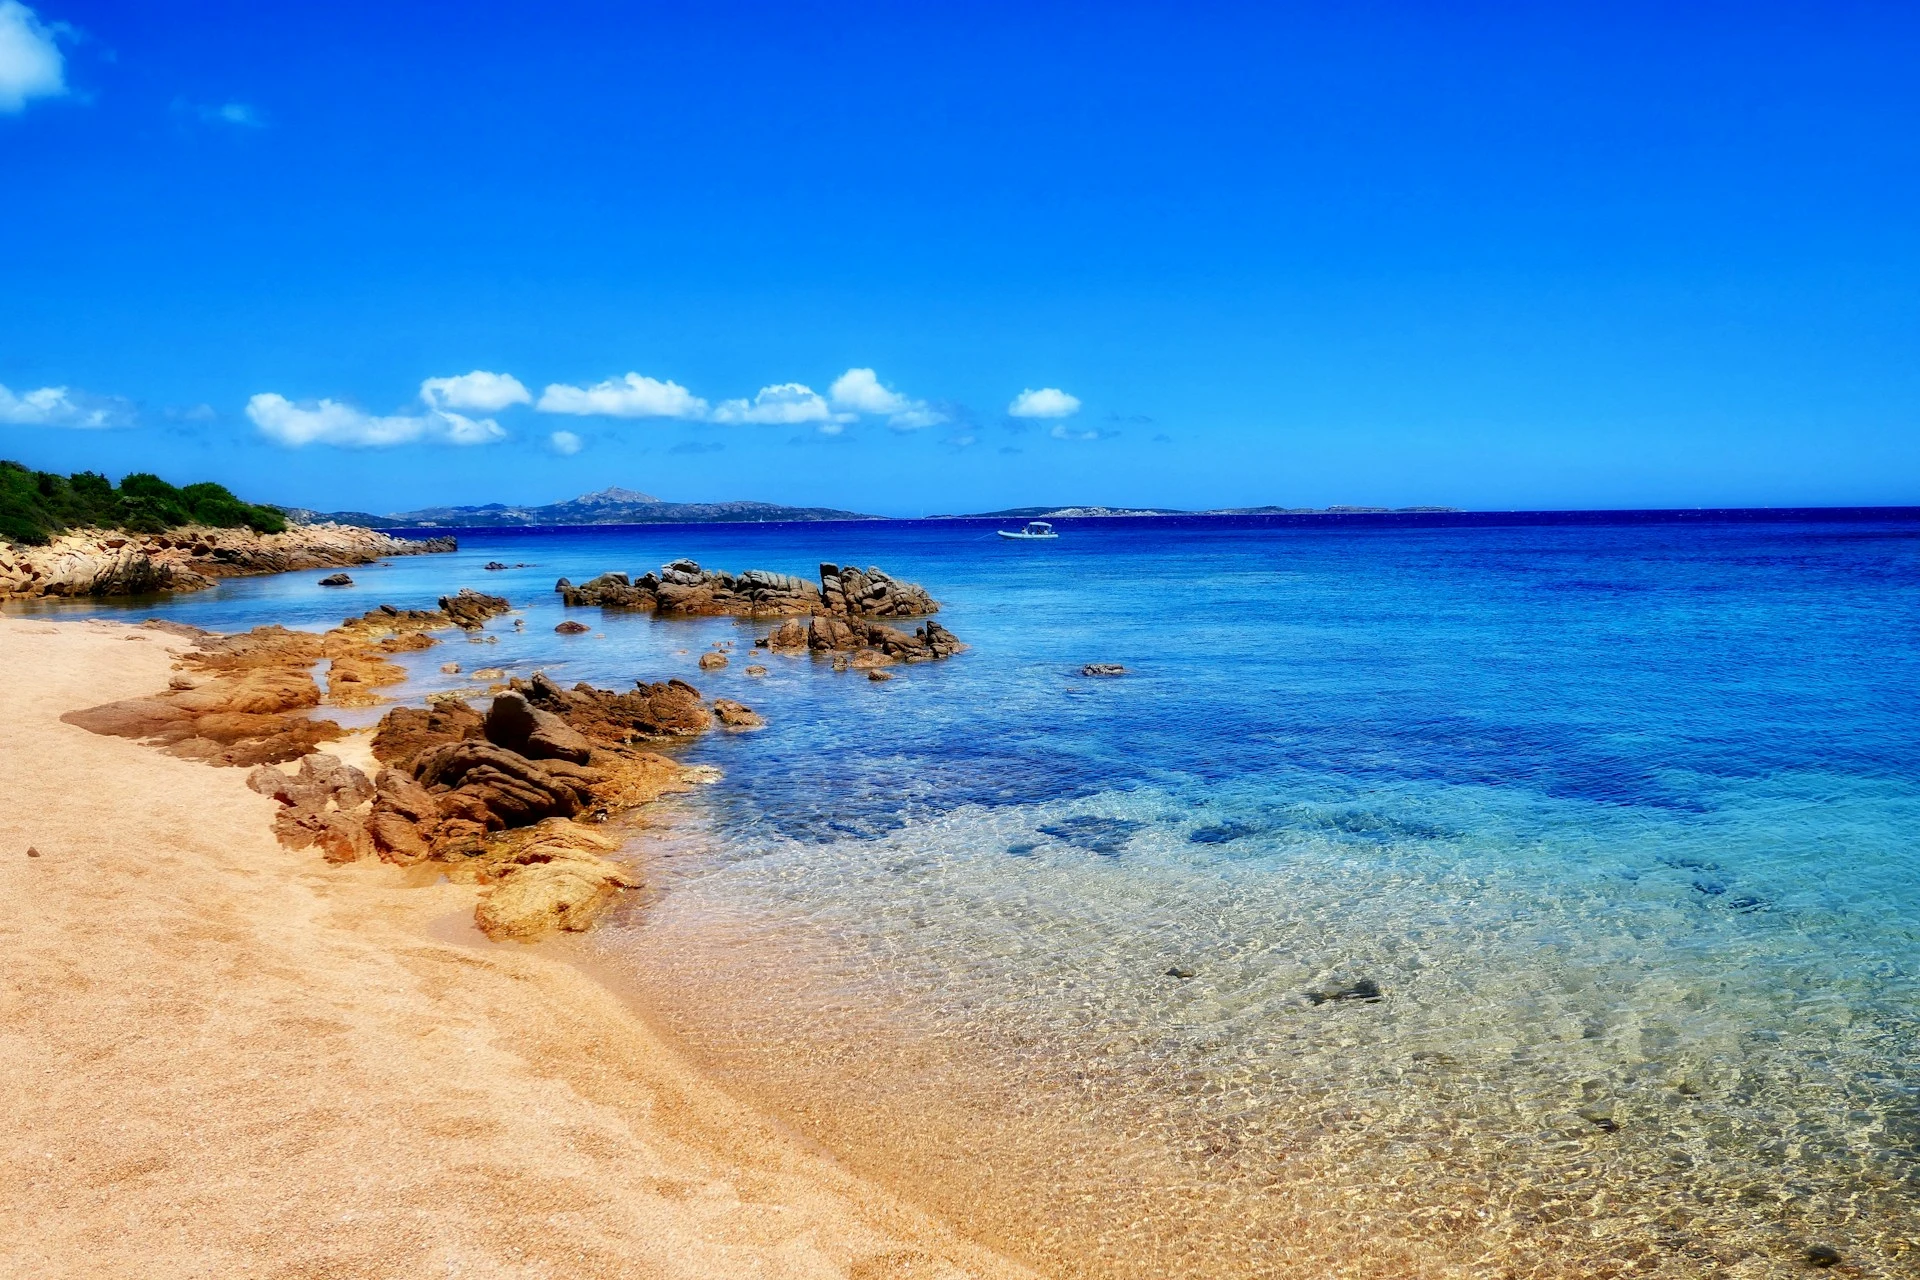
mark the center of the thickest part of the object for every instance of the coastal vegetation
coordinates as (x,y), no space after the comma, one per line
(36,505)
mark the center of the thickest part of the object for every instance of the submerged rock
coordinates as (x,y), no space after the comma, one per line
(1601,1120)
(1107,837)
(1223,833)
(1362,989)
(336,580)
(572,628)
(1820,1255)
(712,661)
(1103,669)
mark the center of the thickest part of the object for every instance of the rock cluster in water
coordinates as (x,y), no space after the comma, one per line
(864,643)
(683,587)
(844,611)
(95,562)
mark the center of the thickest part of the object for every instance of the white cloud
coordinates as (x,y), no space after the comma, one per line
(330,422)
(565,443)
(1062,431)
(782,404)
(481,391)
(630,397)
(860,391)
(30,62)
(1047,402)
(63,407)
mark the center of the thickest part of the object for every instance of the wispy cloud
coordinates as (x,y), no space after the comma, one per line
(240,115)
(566,443)
(1061,431)
(30,61)
(1047,402)
(63,407)
(479,391)
(330,422)
(783,404)
(633,396)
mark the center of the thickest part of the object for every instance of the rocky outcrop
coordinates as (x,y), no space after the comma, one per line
(869,593)
(609,591)
(736,715)
(869,643)
(238,700)
(843,613)
(96,562)
(502,798)
(686,589)
(507,800)
(646,713)
(322,805)
(469,609)
(246,699)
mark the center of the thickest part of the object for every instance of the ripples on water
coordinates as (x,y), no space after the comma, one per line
(1620,819)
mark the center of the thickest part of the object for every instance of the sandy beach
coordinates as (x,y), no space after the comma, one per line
(230,1058)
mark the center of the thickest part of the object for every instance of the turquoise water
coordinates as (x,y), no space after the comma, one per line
(1621,820)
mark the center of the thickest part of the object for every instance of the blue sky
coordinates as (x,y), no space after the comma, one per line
(1488,256)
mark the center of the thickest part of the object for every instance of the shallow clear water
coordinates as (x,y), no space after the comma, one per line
(1620,819)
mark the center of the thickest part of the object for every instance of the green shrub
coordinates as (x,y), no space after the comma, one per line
(35,505)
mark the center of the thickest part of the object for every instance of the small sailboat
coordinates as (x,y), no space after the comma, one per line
(1035,529)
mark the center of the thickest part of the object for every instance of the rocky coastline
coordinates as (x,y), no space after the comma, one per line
(513,798)
(103,562)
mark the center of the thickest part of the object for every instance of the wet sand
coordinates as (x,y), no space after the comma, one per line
(229,1058)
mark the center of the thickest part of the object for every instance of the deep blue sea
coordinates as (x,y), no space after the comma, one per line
(1621,819)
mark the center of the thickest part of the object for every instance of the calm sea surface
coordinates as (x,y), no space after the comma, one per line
(1622,821)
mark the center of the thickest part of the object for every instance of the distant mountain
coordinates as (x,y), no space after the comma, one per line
(609,506)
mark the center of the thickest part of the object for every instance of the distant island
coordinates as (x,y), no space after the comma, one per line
(609,506)
(628,506)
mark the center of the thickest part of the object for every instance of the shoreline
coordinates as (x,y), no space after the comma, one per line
(237,1056)
(108,563)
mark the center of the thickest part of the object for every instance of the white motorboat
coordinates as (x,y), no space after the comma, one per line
(1035,529)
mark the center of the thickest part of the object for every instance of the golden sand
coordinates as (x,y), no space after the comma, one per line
(227,1058)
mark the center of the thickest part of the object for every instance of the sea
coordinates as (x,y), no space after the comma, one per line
(1531,895)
